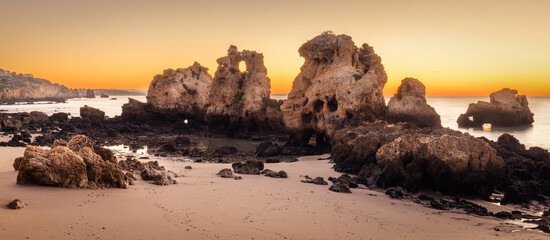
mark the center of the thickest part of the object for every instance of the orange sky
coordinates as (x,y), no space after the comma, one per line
(453,47)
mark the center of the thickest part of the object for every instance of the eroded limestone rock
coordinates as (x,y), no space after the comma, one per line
(240,99)
(74,165)
(506,108)
(409,105)
(181,91)
(339,84)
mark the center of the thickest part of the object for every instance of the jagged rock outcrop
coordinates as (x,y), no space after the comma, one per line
(339,84)
(240,100)
(527,170)
(24,87)
(94,114)
(75,165)
(415,158)
(135,109)
(181,91)
(409,105)
(90,93)
(505,108)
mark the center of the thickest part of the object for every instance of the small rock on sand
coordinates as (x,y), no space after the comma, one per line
(16,204)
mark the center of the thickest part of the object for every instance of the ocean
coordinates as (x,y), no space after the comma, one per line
(448,107)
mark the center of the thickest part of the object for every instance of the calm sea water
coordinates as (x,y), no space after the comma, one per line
(448,107)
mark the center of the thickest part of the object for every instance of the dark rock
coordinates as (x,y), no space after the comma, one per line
(396,193)
(272,160)
(104,95)
(268,149)
(441,204)
(167,148)
(94,114)
(425,197)
(342,187)
(188,167)
(238,178)
(317,181)
(59,117)
(249,167)
(504,215)
(225,173)
(16,204)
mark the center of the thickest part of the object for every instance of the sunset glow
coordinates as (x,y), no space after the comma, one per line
(466,48)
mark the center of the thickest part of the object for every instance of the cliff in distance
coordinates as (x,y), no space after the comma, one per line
(24,87)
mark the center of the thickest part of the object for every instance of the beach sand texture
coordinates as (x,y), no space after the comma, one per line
(205,206)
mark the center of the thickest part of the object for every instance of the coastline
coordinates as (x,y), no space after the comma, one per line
(203,205)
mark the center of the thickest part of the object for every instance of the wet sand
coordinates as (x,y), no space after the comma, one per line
(205,206)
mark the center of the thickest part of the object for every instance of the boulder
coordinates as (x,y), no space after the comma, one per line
(90,93)
(404,155)
(104,95)
(225,173)
(317,181)
(73,165)
(181,91)
(506,108)
(249,167)
(239,99)
(339,84)
(16,204)
(94,114)
(59,166)
(60,117)
(409,105)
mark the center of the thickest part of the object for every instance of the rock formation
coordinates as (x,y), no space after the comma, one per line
(409,105)
(339,84)
(90,93)
(404,155)
(527,171)
(24,87)
(505,108)
(74,165)
(134,109)
(181,91)
(240,100)
(94,114)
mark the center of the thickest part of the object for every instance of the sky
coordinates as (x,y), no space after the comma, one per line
(456,48)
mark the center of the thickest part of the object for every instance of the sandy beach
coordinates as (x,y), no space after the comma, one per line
(205,206)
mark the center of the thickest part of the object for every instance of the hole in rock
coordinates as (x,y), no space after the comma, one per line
(332,104)
(318,105)
(242,66)
(306,118)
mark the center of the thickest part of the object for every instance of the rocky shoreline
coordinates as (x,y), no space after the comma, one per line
(336,106)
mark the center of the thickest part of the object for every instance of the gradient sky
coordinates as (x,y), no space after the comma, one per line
(454,47)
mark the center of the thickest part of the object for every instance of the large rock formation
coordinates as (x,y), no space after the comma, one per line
(339,84)
(418,158)
(75,166)
(182,91)
(505,108)
(240,100)
(24,87)
(409,105)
